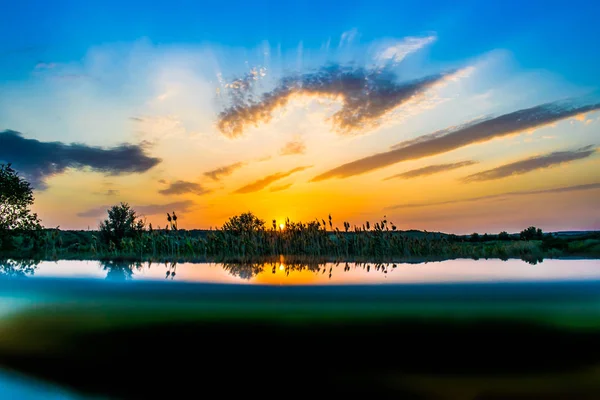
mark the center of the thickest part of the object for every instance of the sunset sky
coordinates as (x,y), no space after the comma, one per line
(446,116)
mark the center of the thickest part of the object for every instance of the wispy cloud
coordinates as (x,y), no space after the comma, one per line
(266,181)
(182,187)
(475,132)
(39,160)
(348,37)
(564,189)
(395,51)
(292,148)
(430,170)
(531,164)
(150,209)
(218,173)
(366,96)
(279,188)
(108,193)
(43,65)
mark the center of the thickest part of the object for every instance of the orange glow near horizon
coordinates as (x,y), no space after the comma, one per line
(269,165)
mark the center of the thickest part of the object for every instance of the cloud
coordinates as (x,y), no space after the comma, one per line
(111,192)
(348,37)
(43,65)
(264,182)
(474,132)
(279,188)
(366,96)
(151,209)
(397,50)
(564,189)
(217,174)
(39,160)
(430,170)
(531,164)
(293,147)
(182,187)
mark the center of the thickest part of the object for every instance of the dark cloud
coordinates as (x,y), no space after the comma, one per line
(182,187)
(430,170)
(531,164)
(474,132)
(144,210)
(266,181)
(279,188)
(564,189)
(292,148)
(227,170)
(366,96)
(39,160)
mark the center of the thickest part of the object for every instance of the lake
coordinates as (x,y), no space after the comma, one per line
(313,273)
(500,329)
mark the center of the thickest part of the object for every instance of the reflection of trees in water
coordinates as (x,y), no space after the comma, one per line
(248,270)
(244,270)
(120,270)
(17,268)
(532,259)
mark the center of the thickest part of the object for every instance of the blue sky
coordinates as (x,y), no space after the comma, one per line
(558,35)
(150,93)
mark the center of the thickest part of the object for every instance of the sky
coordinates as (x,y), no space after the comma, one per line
(458,117)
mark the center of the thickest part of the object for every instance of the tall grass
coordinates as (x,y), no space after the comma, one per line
(247,241)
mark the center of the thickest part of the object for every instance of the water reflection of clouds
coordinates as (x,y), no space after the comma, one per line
(293,271)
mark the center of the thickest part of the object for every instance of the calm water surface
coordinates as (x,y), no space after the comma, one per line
(284,273)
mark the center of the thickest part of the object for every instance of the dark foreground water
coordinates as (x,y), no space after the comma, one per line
(483,329)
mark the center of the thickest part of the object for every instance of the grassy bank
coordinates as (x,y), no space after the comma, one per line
(124,236)
(219,245)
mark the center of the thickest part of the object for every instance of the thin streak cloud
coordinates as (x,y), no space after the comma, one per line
(218,173)
(430,170)
(531,164)
(266,181)
(280,188)
(183,187)
(476,132)
(564,189)
(150,209)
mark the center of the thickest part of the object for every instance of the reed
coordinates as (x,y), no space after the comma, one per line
(245,237)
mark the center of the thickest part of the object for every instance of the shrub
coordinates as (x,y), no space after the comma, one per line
(122,222)
(531,233)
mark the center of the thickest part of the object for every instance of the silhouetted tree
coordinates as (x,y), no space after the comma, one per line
(122,222)
(243,223)
(16,198)
(475,237)
(531,233)
(503,236)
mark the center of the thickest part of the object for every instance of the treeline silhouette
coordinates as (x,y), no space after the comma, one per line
(124,234)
